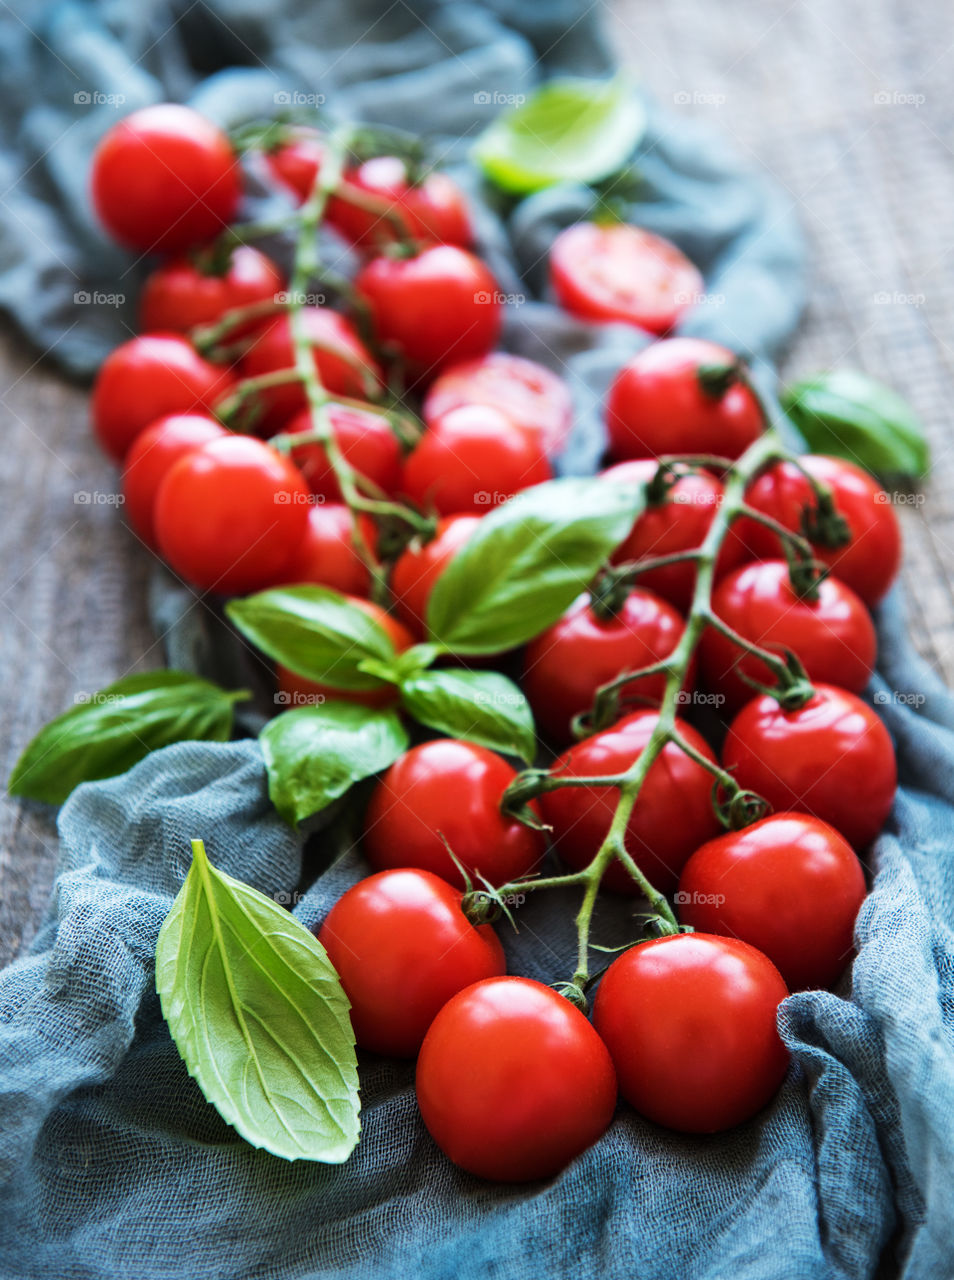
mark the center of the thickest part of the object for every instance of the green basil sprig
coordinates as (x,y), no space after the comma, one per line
(478,706)
(259,1016)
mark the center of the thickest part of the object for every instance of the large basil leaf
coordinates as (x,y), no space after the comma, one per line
(479,706)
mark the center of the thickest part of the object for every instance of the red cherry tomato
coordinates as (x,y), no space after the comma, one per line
(681,396)
(677,522)
(621,272)
(788,885)
(672,816)
(527,393)
(153,453)
(165,178)
(147,378)
(690,1023)
(230,514)
(566,664)
(513,1083)
(295,162)
(833,636)
(366,442)
(832,758)
(471,459)
(296,690)
(451,789)
(344,364)
(188,292)
(327,556)
(418,567)
(402,948)
(433,209)
(433,309)
(869,562)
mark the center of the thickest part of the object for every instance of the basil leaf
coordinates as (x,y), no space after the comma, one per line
(527,562)
(569,131)
(479,706)
(259,1016)
(315,632)
(117,727)
(852,416)
(314,754)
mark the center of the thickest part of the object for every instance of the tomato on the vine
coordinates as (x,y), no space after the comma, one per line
(832,758)
(420,565)
(833,636)
(682,395)
(296,161)
(327,555)
(152,454)
(229,515)
(385,206)
(145,379)
(789,885)
(200,288)
(672,816)
(566,664)
(165,178)
(447,790)
(403,947)
(690,1023)
(367,442)
(513,1083)
(618,272)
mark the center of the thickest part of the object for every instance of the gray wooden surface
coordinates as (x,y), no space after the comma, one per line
(849,104)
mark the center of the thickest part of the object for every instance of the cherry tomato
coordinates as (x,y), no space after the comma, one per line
(450,789)
(402,948)
(833,636)
(672,816)
(621,272)
(418,567)
(432,310)
(344,364)
(690,1023)
(513,1083)
(198,290)
(433,209)
(869,562)
(366,441)
(230,514)
(677,522)
(147,378)
(683,395)
(832,758)
(788,885)
(471,459)
(165,178)
(296,690)
(527,393)
(152,454)
(327,556)
(566,664)
(295,162)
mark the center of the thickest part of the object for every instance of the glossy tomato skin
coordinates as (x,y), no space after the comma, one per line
(513,1083)
(833,636)
(657,404)
(152,454)
(789,885)
(869,562)
(471,459)
(432,310)
(183,293)
(230,514)
(529,394)
(402,948)
(165,178)
(326,554)
(566,664)
(672,817)
(418,567)
(690,1023)
(832,758)
(366,441)
(433,210)
(295,162)
(145,379)
(622,273)
(452,789)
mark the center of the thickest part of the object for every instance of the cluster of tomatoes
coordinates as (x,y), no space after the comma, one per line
(513,1080)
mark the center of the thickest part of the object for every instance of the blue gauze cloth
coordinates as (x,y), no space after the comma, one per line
(112,1165)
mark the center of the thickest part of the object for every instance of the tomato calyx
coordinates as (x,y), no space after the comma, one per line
(823,524)
(526,786)
(717,377)
(793,690)
(740,809)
